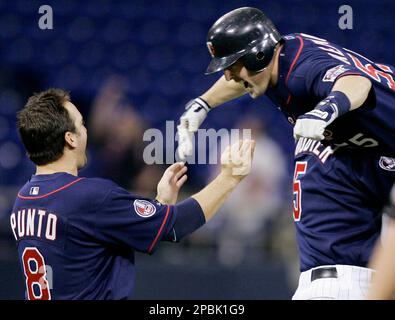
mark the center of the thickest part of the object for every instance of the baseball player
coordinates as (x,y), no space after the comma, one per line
(342,107)
(76,236)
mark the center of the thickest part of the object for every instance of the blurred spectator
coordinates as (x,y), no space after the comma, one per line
(248,213)
(147,180)
(117,132)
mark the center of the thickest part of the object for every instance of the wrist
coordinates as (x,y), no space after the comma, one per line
(337,102)
(203,103)
(160,200)
(229,179)
(208,100)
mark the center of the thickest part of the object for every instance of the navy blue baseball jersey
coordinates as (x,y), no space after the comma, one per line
(76,237)
(308,69)
(341,183)
(338,203)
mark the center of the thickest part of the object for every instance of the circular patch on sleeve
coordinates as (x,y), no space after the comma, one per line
(387,163)
(144,208)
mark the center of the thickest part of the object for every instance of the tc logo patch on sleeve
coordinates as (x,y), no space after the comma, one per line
(387,163)
(333,73)
(144,208)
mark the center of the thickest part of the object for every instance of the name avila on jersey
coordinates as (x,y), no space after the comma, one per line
(306,145)
(31,222)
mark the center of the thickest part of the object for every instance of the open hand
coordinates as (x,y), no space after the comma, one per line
(236,159)
(169,185)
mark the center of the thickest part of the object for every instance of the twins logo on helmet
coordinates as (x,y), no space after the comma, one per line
(144,208)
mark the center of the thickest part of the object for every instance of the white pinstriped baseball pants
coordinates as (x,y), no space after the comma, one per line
(352,283)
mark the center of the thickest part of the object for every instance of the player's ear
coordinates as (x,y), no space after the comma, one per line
(71,140)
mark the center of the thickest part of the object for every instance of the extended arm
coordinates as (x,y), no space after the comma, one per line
(210,198)
(124,219)
(348,93)
(235,166)
(356,89)
(202,206)
(196,111)
(223,91)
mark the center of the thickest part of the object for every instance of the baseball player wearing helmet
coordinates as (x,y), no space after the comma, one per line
(342,107)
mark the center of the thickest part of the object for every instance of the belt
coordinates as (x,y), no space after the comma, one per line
(324,272)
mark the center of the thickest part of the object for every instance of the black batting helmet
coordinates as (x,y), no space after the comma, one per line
(246,34)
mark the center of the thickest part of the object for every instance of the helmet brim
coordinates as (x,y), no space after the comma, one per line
(219,64)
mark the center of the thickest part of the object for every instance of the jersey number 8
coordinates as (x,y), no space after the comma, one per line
(36,275)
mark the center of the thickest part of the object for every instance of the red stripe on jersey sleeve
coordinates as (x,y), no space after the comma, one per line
(160,230)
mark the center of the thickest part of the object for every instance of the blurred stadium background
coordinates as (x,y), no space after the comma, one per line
(132,65)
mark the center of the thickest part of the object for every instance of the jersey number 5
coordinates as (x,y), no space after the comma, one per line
(36,275)
(300,168)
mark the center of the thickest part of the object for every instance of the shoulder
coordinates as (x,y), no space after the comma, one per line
(303,50)
(295,57)
(98,183)
(97,189)
(301,42)
(105,191)
(309,57)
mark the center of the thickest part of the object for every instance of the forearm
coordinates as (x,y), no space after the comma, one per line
(356,88)
(190,217)
(193,212)
(223,91)
(213,196)
(348,93)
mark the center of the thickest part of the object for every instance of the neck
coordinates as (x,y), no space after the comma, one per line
(274,75)
(60,165)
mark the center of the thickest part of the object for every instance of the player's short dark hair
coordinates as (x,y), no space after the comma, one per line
(42,125)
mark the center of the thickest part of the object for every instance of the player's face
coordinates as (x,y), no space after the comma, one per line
(255,83)
(81,134)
